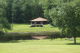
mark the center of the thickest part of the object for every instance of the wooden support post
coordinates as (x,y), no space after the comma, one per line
(35,23)
(31,23)
(41,23)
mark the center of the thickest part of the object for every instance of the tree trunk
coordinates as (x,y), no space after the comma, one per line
(74,40)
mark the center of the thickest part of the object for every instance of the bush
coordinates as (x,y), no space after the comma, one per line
(28,35)
(17,36)
(1,35)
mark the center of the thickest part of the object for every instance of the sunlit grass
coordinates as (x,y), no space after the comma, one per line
(27,28)
(39,46)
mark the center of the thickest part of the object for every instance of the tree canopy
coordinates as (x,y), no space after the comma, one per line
(66,16)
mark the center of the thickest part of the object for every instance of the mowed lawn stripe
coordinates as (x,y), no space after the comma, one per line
(39,46)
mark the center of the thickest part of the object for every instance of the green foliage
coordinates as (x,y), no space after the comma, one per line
(28,35)
(22,11)
(66,15)
(4,24)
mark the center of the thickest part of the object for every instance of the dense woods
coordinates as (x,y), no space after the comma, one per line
(22,11)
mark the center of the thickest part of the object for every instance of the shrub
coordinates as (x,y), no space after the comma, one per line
(28,35)
(1,35)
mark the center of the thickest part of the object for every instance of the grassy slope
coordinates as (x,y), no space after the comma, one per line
(27,28)
(39,46)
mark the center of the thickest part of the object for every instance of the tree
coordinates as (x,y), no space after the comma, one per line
(67,17)
(48,6)
(9,10)
(4,25)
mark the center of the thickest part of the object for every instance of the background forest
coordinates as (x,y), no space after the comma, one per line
(22,11)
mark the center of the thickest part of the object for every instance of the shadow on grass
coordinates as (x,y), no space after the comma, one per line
(9,41)
(73,44)
(14,41)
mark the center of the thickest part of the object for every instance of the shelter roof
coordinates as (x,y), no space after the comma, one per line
(39,19)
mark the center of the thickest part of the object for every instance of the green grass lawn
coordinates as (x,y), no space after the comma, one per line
(40,46)
(27,28)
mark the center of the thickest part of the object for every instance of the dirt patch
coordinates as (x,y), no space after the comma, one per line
(39,37)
